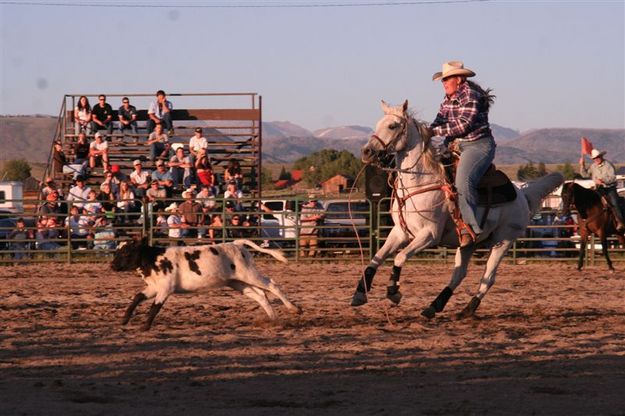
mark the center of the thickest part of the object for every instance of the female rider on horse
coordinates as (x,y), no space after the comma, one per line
(463,121)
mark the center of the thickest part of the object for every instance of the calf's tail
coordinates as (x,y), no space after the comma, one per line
(275,253)
(537,190)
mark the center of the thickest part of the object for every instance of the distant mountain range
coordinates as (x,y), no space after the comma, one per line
(30,137)
(542,145)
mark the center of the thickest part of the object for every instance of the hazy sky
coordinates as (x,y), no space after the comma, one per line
(551,64)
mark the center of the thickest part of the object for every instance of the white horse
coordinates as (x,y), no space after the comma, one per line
(421,211)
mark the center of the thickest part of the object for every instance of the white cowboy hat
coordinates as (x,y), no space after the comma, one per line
(188,192)
(172,207)
(177,146)
(595,154)
(452,68)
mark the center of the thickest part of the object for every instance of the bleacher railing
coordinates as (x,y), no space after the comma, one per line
(346,235)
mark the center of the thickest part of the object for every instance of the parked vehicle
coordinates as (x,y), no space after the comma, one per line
(276,225)
(11,195)
(344,222)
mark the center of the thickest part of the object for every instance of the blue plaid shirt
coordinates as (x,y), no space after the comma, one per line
(463,116)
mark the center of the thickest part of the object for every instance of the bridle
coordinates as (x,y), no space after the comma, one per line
(401,133)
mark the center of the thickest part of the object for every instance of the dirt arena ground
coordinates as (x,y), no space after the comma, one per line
(546,340)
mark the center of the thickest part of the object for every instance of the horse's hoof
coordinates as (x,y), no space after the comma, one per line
(469,310)
(429,312)
(359,299)
(394,297)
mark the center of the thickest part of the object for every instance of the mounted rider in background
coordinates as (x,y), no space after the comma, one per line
(463,121)
(603,173)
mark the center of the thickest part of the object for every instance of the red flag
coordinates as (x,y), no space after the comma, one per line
(586,146)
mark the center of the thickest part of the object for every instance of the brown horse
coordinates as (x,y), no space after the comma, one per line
(595,217)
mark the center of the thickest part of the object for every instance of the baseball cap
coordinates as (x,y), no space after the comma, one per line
(198,129)
(115,168)
(98,134)
(136,162)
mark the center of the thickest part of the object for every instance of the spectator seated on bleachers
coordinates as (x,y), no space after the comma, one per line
(82,116)
(156,196)
(108,198)
(140,179)
(159,144)
(103,234)
(159,113)
(233,172)
(79,226)
(233,193)
(204,172)
(127,115)
(47,236)
(50,186)
(126,203)
(197,142)
(78,193)
(59,160)
(98,152)
(180,167)
(102,115)
(53,205)
(163,176)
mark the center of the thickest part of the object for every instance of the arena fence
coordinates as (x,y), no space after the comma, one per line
(350,230)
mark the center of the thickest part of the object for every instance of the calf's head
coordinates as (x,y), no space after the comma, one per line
(128,255)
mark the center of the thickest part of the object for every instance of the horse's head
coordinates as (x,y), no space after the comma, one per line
(390,136)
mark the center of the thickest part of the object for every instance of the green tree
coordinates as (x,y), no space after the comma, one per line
(322,165)
(567,170)
(15,170)
(530,171)
(265,179)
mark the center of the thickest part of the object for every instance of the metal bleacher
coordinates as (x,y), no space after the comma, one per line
(231,123)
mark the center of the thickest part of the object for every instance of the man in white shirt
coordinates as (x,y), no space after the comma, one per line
(140,179)
(99,152)
(196,143)
(78,193)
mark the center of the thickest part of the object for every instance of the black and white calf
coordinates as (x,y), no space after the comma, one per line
(168,270)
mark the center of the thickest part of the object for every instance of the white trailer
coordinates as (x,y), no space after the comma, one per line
(11,197)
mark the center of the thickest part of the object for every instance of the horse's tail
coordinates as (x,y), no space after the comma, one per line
(275,253)
(537,190)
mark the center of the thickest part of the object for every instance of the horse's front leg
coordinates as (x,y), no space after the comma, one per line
(394,240)
(461,264)
(423,239)
(488,279)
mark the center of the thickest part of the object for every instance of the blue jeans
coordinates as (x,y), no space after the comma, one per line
(166,122)
(132,127)
(156,150)
(475,158)
(611,196)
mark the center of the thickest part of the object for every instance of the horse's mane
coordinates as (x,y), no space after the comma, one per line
(429,158)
